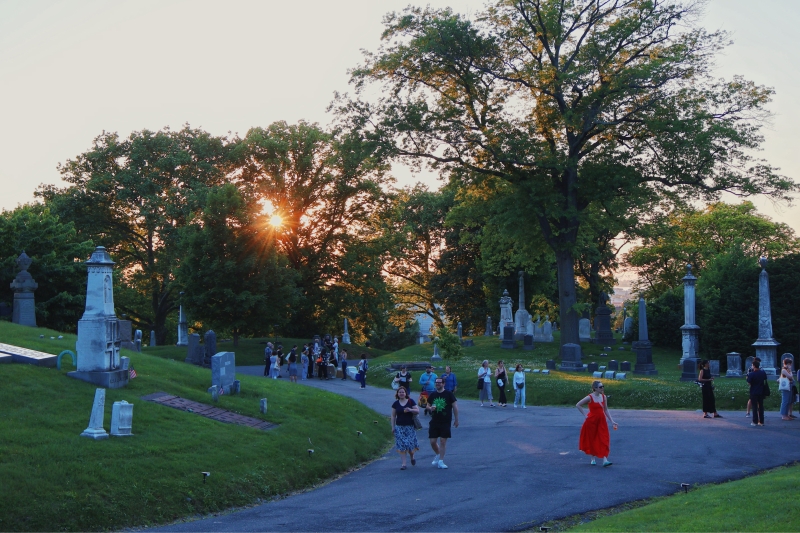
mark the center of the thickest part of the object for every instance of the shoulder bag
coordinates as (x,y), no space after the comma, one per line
(783,384)
(480,383)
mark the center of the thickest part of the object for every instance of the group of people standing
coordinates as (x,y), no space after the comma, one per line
(500,376)
(312,356)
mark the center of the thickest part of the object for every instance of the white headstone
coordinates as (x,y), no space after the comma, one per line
(121,419)
(95,430)
(585,330)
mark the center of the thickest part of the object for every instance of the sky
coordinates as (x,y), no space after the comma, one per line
(70,70)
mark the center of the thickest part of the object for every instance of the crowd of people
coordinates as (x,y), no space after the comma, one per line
(322,357)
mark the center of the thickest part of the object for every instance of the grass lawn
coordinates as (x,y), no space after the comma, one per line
(56,480)
(756,503)
(663,391)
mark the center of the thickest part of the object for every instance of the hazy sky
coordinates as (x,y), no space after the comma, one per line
(71,69)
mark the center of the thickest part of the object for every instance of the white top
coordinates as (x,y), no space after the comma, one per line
(486,374)
(519,377)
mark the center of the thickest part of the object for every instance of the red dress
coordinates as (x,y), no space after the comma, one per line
(594,433)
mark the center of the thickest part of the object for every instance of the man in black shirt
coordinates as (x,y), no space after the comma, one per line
(442,405)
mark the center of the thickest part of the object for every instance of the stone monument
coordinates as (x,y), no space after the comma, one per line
(690,331)
(766,347)
(436,357)
(489,329)
(137,341)
(152,338)
(689,369)
(522,316)
(346,334)
(98,330)
(459,330)
(195,352)
(183,329)
(223,372)
(627,328)
(95,430)
(547,330)
(506,318)
(602,322)
(643,347)
(585,330)
(734,365)
(508,341)
(571,358)
(121,419)
(24,312)
(210,346)
(126,335)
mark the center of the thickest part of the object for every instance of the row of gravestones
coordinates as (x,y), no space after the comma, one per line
(690,370)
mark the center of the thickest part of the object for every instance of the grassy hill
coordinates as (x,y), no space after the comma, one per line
(56,480)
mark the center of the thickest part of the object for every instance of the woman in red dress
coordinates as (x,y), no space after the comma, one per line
(594,439)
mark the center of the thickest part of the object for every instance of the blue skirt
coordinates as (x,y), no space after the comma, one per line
(405,438)
(292,369)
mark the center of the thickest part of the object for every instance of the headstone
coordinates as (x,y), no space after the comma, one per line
(748,363)
(95,430)
(689,368)
(538,331)
(643,347)
(506,317)
(597,375)
(734,365)
(550,364)
(459,331)
(436,356)
(602,322)
(546,372)
(527,342)
(223,371)
(195,353)
(602,368)
(609,374)
(210,347)
(98,342)
(183,329)
(713,366)
(152,338)
(592,367)
(121,419)
(627,328)
(346,334)
(625,366)
(620,375)
(125,363)
(24,311)
(126,335)
(585,330)
(530,329)
(690,332)
(613,365)
(264,404)
(237,386)
(508,342)
(766,347)
(571,357)
(489,328)
(137,341)
(214,390)
(547,334)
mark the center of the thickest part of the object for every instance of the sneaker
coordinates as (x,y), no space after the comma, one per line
(441,465)
(753,424)
(593,462)
(607,463)
(524,407)
(435,460)
(515,407)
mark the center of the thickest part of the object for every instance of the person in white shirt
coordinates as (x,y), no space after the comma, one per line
(519,387)
(485,374)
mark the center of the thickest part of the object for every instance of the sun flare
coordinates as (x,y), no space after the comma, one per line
(276,221)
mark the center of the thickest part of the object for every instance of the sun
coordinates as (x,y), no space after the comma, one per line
(276,221)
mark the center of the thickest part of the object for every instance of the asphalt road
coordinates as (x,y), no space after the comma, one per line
(511,469)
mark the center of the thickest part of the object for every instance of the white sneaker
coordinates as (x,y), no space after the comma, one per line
(524,407)
(435,460)
(441,464)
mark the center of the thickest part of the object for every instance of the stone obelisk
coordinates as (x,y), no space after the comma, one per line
(522,316)
(183,329)
(643,347)
(689,331)
(766,347)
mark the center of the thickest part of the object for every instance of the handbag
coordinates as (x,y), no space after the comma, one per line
(766,392)
(395,385)
(417,422)
(521,385)
(480,383)
(783,384)
(500,383)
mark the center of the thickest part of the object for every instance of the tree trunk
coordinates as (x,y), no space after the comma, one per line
(567,298)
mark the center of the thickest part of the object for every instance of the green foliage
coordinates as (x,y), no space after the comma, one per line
(665,316)
(394,338)
(449,343)
(58,254)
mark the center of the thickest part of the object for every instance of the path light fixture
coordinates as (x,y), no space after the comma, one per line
(205,475)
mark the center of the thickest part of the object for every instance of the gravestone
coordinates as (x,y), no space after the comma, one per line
(613,365)
(527,342)
(571,357)
(547,333)
(137,341)
(223,371)
(264,405)
(95,430)
(620,375)
(734,365)
(550,364)
(459,331)
(748,363)
(183,329)
(766,346)
(346,334)
(713,366)
(538,330)
(98,342)
(24,311)
(436,357)
(214,390)
(530,329)
(585,330)
(597,375)
(643,347)
(602,323)
(592,367)
(489,328)
(689,368)
(210,347)
(625,366)
(195,353)
(124,363)
(608,374)
(126,335)
(508,338)
(121,419)
(522,317)
(152,338)
(627,328)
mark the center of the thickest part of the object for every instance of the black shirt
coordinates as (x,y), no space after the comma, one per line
(441,410)
(401,417)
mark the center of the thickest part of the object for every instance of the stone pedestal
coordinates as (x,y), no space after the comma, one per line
(602,322)
(734,365)
(689,369)
(508,342)
(571,358)
(24,311)
(644,359)
(527,342)
(121,419)
(690,343)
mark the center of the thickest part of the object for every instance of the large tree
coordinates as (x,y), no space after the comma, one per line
(132,196)
(543,93)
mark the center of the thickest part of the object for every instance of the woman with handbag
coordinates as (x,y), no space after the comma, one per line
(405,435)
(502,380)
(785,382)
(403,378)
(519,387)
(485,383)
(706,381)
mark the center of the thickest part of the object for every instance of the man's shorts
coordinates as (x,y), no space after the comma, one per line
(439,431)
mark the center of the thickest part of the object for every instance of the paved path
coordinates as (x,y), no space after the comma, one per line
(511,469)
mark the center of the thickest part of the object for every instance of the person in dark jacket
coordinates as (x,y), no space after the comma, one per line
(757,380)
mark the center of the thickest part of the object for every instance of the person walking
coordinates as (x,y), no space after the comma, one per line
(404,378)
(501,378)
(426,382)
(267,359)
(485,383)
(293,364)
(274,366)
(443,408)
(405,435)
(343,358)
(785,382)
(594,439)
(706,381)
(304,362)
(519,387)
(278,361)
(450,381)
(757,379)
(363,366)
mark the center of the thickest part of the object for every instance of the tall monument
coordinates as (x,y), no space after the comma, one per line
(346,334)
(522,317)
(643,347)
(506,317)
(98,330)
(766,347)
(183,328)
(689,331)
(24,312)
